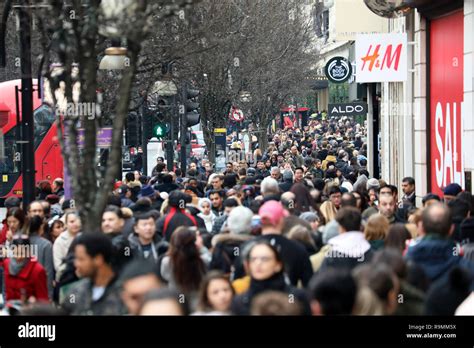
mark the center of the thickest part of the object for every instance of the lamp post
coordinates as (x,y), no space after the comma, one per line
(115,58)
(27,120)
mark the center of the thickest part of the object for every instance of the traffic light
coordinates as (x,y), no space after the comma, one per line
(191,107)
(133,129)
(160,130)
(154,121)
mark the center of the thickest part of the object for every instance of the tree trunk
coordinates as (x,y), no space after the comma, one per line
(262,140)
(209,140)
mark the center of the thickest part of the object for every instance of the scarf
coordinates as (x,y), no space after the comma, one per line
(15,267)
(276,282)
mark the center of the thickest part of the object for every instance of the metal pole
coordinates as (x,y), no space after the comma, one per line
(27,121)
(170,142)
(143,140)
(297,115)
(183,129)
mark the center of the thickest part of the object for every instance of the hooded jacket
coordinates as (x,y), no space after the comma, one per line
(223,255)
(329,158)
(31,279)
(342,166)
(435,255)
(361,182)
(286,184)
(348,250)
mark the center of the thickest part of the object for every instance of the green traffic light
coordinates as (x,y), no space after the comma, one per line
(159,130)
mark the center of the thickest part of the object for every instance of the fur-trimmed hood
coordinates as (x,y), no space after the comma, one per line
(230,238)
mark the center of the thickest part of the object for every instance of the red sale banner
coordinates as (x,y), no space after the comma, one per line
(446,96)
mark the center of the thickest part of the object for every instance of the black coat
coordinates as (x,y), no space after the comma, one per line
(286,186)
(201,225)
(322,154)
(264,173)
(434,255)
(342,166)
(166,187)
(179,218)
(123,252)
(241,305)
(224,257)
(294,256)
(346,262)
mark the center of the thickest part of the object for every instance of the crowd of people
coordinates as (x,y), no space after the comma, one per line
(303,229)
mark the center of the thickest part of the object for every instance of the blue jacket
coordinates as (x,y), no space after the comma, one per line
(435,256)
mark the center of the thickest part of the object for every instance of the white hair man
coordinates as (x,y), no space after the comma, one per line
(269,187)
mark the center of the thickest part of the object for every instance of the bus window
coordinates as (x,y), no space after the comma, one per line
(8,165)
(44,119)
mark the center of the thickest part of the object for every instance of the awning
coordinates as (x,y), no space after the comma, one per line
(287,109)
(435,8)
(319,84)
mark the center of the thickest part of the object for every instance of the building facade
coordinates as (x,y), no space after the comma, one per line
(426,123)
(422,127)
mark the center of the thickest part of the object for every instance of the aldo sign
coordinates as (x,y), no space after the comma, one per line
(347,109)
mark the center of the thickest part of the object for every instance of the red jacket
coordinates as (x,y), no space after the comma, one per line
(3,233)
(32,278)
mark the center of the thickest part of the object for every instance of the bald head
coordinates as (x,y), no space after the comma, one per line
(437,220)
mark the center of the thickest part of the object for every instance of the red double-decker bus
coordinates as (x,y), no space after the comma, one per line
(48,158)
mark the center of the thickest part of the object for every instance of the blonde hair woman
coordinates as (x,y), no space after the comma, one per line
(211,177)
(414,223)
(376,230)
(164,207)
(257,155)
(329,211)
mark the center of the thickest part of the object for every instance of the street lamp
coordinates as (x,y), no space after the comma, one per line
(389,8)
(114,26)
(115,59)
